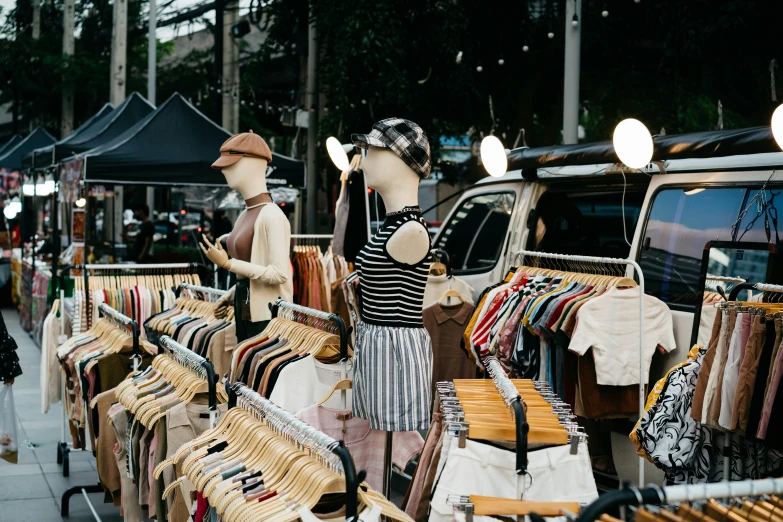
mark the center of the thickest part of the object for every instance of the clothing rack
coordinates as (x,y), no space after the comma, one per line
(198,365)
(764,287)
(520,255)
(315,318)
(126,267)
(511,397)
(333,452)
(312,236)
(631,496)
(123,322)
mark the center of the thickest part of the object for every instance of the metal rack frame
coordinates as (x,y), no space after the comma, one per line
(656,495)
(511,397)
(298,432)
(62,448)
(520,255)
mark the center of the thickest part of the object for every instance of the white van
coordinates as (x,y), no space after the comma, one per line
(662,218)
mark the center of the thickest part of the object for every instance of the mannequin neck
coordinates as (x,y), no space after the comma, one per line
(251,187)
(399,196)
(263,197)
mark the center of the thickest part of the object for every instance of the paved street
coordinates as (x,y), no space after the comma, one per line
(31,490)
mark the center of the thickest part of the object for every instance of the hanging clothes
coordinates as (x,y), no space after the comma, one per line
(578,332)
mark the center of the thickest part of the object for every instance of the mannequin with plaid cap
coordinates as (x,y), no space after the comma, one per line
(393,352)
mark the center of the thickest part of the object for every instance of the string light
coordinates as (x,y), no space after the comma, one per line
(550,35)
(479,68)
(501,61)
(605,13)
(575,21)
(525,48)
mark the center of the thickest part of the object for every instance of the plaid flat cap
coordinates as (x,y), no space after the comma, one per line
(404,138)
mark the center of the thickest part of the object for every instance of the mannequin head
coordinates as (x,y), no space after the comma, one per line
(247,176)
(394,180)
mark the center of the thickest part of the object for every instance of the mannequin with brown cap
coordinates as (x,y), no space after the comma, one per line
(258,246)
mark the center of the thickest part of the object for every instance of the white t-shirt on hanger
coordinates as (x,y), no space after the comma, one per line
(305,382)
(438,284)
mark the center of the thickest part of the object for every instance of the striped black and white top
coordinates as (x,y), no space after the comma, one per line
(392,293)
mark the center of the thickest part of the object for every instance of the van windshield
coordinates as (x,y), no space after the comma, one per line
(682,221)
(586,223)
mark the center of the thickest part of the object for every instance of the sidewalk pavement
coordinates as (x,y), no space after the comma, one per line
(32,489)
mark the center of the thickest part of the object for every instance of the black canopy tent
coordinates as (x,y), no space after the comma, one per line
(134,109)
(45,157)
(16,138)
(11,159)
(710,144)
(175,145)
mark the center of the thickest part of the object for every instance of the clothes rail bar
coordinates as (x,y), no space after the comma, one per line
(305,435)
(324,321)
(520,255)
(198,365)
(680,493)
(511,397)
(726,279)
(136,266)
(764,287)
(312,236)
(204,289)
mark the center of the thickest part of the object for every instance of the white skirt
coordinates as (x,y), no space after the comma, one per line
(392,379)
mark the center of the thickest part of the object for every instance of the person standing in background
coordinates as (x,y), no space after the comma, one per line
(142,245)
(9,361)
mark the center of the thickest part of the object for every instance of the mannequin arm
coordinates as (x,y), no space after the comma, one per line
(270,274)
(278,242)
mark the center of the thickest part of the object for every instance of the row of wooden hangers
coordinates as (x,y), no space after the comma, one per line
(489,417)
(303,339)
(113,338)
(151,281)
(194,307)
(498,506)
(604,280)
(141,394)
(299,476)
(767,509)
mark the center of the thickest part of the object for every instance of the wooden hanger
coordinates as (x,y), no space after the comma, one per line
(490,506)
(342,384)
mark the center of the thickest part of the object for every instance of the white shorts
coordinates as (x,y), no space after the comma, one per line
(480,469)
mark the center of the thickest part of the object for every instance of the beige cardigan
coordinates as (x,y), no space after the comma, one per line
(269,270)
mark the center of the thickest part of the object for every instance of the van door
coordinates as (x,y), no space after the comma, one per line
(682,212)
(477,232)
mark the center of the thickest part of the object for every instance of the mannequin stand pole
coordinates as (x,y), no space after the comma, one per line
(387,465)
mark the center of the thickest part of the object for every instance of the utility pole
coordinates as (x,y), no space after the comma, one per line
(36,19)
(573,42)
(152,53)
(119,52)
(66,119)
(312,129)
(230,70)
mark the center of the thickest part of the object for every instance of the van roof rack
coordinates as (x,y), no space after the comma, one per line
(739,149)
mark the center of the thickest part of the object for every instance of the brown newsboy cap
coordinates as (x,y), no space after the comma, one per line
(238,146)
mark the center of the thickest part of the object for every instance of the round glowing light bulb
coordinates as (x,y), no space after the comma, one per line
(81,202)
(337,153)
(633,143)
(777,125)
(9,212)
(493,156)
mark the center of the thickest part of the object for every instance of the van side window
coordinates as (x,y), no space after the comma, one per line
(585,223)
(476,232)
(681,222)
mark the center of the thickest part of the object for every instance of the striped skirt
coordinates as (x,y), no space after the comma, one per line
(392,379)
